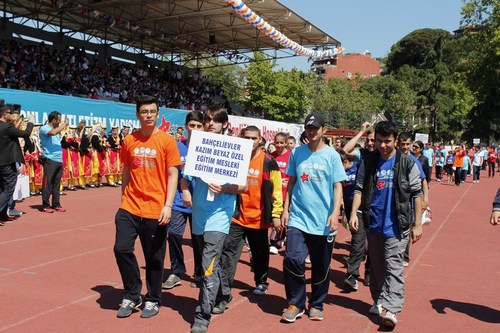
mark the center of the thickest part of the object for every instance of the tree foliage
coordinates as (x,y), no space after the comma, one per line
(481,44)
(283,95)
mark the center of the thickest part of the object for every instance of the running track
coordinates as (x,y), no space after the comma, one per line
(58,274)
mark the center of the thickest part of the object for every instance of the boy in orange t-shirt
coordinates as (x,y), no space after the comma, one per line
(458,163)
(258,208)
(150,158)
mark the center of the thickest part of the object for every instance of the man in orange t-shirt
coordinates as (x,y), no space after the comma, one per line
(150,158)
(258,208)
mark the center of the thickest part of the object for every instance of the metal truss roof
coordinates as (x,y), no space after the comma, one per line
(173,26)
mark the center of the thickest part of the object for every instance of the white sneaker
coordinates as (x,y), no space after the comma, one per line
(390,319)
(273,250)
(375,309)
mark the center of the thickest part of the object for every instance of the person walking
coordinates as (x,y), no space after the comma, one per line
(211,222)
(311,212)
(386,184)
(259,208)
(180,215)
(150,160)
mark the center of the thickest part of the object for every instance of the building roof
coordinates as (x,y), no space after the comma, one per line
(174,26)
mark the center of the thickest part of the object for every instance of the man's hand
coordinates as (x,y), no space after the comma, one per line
(284,218)
(416,233)
(216,189)
(333,221)
(165,215)
(31,117)
(495,217)
(276,223)
(365,126)
(186,198)
(354,222)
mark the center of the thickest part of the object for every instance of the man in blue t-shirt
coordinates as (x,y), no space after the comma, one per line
(51,160)
(387,183)
(211,222)
(311,212)
(180,214)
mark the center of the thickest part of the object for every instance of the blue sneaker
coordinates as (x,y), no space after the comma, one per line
(127,307)
(260,290)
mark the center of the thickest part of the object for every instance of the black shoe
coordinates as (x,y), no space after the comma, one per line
(351,283)
(366,281)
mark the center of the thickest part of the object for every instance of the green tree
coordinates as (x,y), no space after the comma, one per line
(413,49)
(230,78)
(283,95)
(392,96)
(481,59)
(344,104)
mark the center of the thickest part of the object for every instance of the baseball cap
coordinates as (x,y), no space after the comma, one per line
(315,119)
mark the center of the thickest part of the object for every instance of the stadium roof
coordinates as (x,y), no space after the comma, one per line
(174,26)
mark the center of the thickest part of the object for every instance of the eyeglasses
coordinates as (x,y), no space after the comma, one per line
(416,147)
(148,112)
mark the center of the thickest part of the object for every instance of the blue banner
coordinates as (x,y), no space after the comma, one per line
(76,109)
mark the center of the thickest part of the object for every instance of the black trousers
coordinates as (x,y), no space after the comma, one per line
(8,179)
(259,247)
(52,173)
(153,241)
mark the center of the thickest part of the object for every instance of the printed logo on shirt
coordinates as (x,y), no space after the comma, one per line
(282,165)
(252,178)
(145,152)
(312,172)
(385,179)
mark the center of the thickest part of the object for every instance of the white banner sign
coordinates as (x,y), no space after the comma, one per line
(268,128)
(217,158)
(476,141)
(422,137)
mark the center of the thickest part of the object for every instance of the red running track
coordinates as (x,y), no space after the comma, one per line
(58,274)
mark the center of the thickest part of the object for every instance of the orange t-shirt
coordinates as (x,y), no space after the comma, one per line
(148,159)
(458,162)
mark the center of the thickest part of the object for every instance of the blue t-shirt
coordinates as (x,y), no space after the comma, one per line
(419,165)
(178,205)
(312,196)
(429,153)
(349,184)
(383,213)
(51,144)
(211,215)
(466,163)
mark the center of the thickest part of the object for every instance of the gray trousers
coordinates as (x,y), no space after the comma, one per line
(386,271)
(215,285)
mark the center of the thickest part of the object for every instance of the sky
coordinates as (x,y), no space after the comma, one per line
(372,25)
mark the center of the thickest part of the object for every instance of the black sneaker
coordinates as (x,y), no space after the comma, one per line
(127,307)
(196,283)
(366,281)
(351,283)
